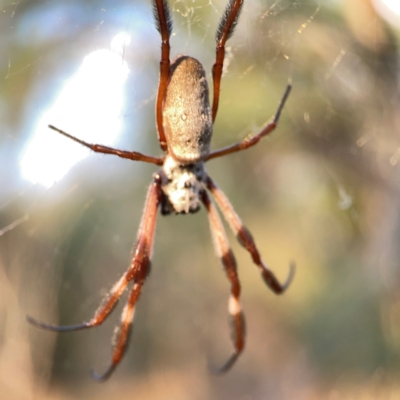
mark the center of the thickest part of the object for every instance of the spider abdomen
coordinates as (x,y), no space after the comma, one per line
(187,114)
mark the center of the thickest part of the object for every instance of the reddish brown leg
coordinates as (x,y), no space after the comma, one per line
(100,315)
(246,240)
(125,328)
(246,143)
(162,16)
(98,148)
(136,272)
(225,30)
(228,260)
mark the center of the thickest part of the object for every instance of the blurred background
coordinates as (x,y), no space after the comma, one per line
(323,190)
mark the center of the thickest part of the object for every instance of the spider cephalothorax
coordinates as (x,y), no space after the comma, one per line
(182,185)
(184,124)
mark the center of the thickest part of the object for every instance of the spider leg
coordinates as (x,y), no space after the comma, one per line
(225,30)
(246,143)
(162,16)
(246,240)
(98,148)
(126,324)
(100,315)
(137,272)
(224,252)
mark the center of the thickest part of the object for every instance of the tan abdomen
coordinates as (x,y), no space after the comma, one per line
(187,113)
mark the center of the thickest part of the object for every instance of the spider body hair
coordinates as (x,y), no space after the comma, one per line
(229,20)
(162,16)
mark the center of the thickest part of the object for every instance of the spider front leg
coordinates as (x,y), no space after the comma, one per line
(137,273)
(228,260)
(126,324)
(246,240)
(101,314)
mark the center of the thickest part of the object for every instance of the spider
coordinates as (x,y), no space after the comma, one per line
(184,122)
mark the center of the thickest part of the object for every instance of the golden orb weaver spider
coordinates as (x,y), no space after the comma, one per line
(184,121)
